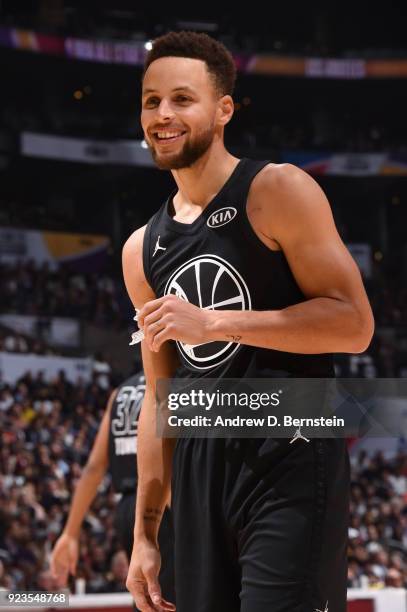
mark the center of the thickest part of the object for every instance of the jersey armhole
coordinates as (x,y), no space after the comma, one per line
(147,251)
(247,226)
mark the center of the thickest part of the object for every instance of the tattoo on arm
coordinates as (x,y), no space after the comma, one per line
(152,515)
(234,338)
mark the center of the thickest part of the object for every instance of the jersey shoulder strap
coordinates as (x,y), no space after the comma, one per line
(239,189)
(147,245)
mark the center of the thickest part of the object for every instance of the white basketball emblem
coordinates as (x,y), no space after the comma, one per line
(210,282)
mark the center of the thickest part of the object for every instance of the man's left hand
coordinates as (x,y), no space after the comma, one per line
(172,318)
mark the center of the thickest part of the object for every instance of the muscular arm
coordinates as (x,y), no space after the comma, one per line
(336,316)
(154,455)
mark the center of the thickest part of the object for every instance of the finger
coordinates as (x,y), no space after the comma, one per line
(52,567)
(167,606)
(162,336)
(56,568)
(154,591)
(150,332)
(138,590)
(72,567)
(154,316)
(148,308)
(140,599)
(61,576)
(153,305)
(62,580)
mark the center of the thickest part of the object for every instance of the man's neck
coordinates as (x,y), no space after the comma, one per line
(200,183)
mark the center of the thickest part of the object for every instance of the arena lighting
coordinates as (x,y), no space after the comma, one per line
(148,45)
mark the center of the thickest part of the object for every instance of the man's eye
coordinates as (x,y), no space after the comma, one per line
(183,99)
(152,102)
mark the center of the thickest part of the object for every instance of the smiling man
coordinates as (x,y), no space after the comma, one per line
(241,273)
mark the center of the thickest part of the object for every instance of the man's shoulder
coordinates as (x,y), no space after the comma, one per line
(133,268)
(287,196)
(134,242)
(281,178)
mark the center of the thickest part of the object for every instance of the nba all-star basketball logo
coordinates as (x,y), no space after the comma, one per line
(210,282)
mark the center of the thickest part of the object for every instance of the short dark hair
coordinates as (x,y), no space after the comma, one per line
(197,45)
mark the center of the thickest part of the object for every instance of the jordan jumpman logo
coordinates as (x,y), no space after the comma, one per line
(298,436)
(158,247)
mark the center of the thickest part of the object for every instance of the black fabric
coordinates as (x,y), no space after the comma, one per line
(124,524)
(123,433)
(260,525)
(225,267)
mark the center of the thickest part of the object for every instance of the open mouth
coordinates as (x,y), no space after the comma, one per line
(165,137)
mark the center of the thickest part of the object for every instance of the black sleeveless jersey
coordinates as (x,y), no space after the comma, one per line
(123,433)
(218,262)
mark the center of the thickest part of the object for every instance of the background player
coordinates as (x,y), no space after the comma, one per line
(115,450)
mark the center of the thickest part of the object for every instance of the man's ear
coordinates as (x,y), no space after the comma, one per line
(226,109)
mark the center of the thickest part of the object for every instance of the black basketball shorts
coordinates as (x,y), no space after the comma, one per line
(260,525)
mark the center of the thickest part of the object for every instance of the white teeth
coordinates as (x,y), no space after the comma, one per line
(163,135)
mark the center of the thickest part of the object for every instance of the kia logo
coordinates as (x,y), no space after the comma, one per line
(222,216)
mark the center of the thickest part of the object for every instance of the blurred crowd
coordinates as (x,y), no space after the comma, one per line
(378,521)
(251,131)
(316,131)
(47,430)
(26,288)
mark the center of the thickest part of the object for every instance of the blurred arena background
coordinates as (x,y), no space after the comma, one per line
(324,89)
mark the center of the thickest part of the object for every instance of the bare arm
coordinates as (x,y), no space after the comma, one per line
(336,317)
(64,555)
(154,455)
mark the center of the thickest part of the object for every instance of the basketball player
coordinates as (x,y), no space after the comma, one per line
(241,273)
(115,448)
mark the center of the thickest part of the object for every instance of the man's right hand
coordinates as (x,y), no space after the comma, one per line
(142,579)
(64,558)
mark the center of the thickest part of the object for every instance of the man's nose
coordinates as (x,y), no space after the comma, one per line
(165,109)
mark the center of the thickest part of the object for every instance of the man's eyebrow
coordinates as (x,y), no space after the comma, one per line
(181,88)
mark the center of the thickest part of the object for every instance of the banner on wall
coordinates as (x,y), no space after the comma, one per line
(83,251)
(13,366)
(348,164)
(134,52)
(136,153)
(55,331)
(121,152)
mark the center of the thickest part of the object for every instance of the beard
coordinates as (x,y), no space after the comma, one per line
(189,154)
